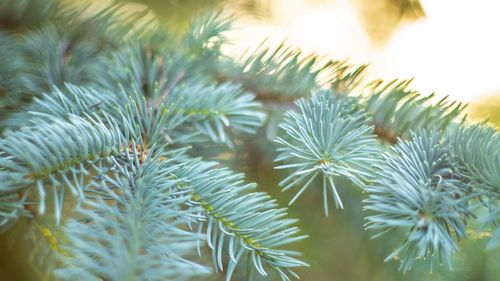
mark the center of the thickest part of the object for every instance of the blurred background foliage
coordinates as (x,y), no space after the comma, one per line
(382,22)
(338,248)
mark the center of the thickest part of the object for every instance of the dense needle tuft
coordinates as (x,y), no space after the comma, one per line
(326,137)
(420,191)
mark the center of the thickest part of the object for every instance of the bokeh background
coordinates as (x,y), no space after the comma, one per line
(450,47)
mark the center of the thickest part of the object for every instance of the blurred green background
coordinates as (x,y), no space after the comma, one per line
(366,31)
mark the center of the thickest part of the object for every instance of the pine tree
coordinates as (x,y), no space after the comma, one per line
(108,118)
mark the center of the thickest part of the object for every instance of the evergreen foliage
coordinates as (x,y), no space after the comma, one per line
(113,108)
(329,136)
(419,188)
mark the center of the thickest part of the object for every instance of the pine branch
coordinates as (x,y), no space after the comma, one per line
(12,78)
(71,47)
(477,150)
(145,66)
(64,102)
(246,222)
(56,156)
(420,190)
(205,35)
(54,59)
(134,230)
(110,25)
(283,74)
(92,99)
(214,111)
(327,137)
(396,110)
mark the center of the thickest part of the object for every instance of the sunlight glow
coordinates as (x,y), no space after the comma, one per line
(453,51)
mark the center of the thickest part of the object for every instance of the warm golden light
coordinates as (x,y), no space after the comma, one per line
(452,50)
